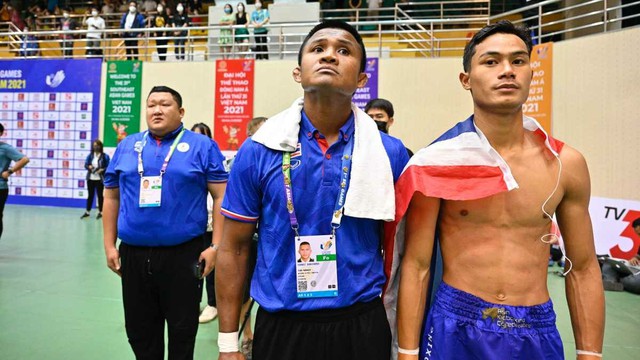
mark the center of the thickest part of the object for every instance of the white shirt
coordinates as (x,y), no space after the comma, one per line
(128,23)
(94,163)
(94,23)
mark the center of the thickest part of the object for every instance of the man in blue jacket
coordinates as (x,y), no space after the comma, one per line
(132,20)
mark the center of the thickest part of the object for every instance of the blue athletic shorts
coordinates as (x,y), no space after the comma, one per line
(462,326)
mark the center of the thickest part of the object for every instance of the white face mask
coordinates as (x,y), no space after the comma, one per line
(132,9)
(240,8)
(180,8)
(94,13)
(66,15)
(258,6)
(160,8)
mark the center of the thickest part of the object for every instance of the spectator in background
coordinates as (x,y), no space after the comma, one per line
(132,20)
(96,164)
(95,24)
(160,20)
(381,111)
(67,24)
(149,6)
(29,46)
(8,154)
(108,8)
(10,13)
(242,34)
(374,9)
(180,21)
(259,18)
(225,40)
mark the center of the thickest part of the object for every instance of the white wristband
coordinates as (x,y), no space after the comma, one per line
(590,353)
(228,342)
(415,351)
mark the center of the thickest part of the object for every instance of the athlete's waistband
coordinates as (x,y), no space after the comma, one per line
(465,307)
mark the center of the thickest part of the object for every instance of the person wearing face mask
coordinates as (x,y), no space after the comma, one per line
(225,39)
(95,24)
(161,20)
(381,111)
(259,18)
(180,20)
(67,24)
(242,34)
(132,20)
(96,163)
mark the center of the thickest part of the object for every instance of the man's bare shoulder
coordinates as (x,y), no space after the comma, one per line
(575,173)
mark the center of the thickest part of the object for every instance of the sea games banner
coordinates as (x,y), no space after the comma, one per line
(50,110)
(233,103)
(370,90)
(122,101)
(538,105)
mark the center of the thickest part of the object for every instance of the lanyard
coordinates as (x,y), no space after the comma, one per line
(342,194)
(166,159)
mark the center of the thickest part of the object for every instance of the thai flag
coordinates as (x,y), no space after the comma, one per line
(459,165)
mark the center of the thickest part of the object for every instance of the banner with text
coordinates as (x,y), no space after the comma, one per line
(123,99)
(50,109)
(369,91)
(538,105)
(233,103)
(612,226)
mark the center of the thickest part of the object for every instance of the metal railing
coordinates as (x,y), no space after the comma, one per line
(404,35)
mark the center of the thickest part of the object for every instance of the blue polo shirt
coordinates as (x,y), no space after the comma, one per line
(183,211)
(7,154)
(256,192)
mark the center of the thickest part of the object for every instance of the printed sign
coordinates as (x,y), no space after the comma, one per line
(50,110)
(122,102)
(538,105)
(612,226)
(233,103)
(369,91)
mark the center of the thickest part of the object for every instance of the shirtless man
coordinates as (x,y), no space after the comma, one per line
(493,302)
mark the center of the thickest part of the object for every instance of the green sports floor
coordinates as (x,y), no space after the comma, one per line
(58,300)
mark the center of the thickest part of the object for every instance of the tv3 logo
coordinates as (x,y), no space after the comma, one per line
(628,232)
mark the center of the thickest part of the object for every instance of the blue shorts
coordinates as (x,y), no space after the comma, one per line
(463,326)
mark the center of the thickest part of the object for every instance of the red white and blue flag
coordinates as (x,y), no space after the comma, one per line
(459,165)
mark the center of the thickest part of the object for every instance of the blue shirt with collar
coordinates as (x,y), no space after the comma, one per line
(183,211)
(256,192)
(7,154)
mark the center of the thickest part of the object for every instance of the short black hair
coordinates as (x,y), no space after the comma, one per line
(1,128)
(501,27)
(304,243)
(382,104)
(204,128)
(176,95)
(636,223)
(336,24)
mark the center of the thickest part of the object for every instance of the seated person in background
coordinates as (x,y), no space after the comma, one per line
(617,278)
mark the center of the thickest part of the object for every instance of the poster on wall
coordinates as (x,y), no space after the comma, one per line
(370,90)
(538,105)
(50,110)
(122,101)
(233,103)
(612,226)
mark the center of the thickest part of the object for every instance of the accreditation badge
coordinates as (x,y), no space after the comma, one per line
(316,269)
(150,191)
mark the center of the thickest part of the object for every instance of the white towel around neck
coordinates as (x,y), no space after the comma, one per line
(371,193)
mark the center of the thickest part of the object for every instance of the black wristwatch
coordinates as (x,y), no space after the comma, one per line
(10,171)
